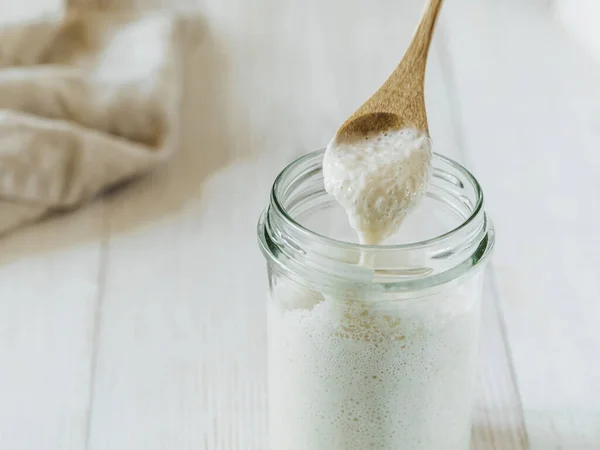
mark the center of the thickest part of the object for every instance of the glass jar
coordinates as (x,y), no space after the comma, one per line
(378,357)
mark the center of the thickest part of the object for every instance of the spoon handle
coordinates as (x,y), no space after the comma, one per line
(415,57)
(403,92)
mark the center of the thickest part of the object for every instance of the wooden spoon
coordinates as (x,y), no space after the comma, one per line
(400,102)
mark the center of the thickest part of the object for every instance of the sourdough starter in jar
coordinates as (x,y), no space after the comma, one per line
(352,377)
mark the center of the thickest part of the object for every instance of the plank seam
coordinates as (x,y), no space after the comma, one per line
(101,283)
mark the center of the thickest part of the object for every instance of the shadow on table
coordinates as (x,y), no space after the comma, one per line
(206,128)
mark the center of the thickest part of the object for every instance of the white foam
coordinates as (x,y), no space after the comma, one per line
(354,377)
(378,179)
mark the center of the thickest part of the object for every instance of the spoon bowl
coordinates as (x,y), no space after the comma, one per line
(400,102)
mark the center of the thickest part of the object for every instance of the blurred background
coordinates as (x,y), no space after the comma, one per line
(137,321)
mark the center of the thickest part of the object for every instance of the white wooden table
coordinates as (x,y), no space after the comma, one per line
(137,323)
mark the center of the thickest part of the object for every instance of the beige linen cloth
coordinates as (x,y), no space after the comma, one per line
(87,101)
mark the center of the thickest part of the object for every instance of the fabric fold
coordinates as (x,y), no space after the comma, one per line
(87,101)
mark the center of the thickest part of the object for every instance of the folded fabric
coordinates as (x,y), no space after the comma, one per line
(87,101)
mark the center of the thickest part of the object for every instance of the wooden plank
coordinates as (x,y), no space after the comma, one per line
(49,287)
(498,422)
(529,100)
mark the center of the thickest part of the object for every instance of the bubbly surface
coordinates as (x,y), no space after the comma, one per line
(346,376)
(378,180)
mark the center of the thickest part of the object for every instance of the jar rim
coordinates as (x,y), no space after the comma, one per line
(297,226)
(304,254)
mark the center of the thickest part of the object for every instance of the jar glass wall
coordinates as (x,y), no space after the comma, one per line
(377,356)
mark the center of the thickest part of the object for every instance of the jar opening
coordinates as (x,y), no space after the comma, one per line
(300,230)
